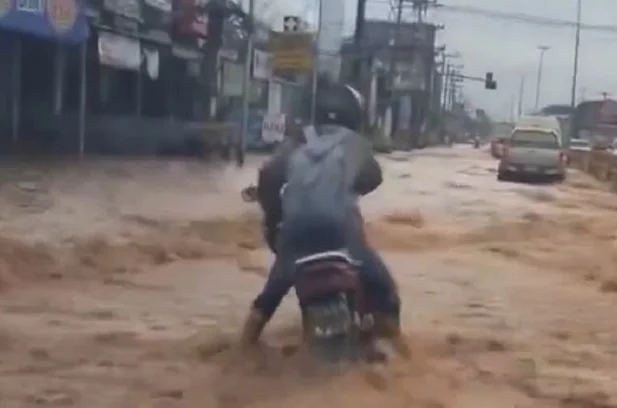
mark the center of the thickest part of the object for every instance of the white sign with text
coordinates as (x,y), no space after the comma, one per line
(273,128)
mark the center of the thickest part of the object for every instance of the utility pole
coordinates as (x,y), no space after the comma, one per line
(447,74)
(455,79)
(316,62)
(577,45)
(394,45)
(542,49)
(453,74)
(357,39)
(246,87)
(583,94)
(446,86)
(520,96)
(444,83)
(513,98)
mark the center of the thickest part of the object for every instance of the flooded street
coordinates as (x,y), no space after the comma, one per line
(124,285)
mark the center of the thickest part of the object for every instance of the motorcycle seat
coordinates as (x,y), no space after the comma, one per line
(338,255)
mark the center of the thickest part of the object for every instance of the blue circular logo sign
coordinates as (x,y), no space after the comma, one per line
(62,14)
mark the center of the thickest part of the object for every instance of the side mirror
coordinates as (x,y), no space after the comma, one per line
(249,194)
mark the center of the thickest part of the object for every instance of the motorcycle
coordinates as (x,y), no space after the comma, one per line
(476,143)
(338,314)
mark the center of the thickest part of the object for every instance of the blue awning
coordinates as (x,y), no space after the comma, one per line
(60,20)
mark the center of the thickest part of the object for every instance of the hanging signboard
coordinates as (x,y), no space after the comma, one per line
(291,52)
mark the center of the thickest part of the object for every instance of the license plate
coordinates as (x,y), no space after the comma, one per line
(531,168)
(329,318)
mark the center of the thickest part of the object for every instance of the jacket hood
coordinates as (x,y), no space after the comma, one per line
(329,138)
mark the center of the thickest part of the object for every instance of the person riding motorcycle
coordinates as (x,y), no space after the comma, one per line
(338,116)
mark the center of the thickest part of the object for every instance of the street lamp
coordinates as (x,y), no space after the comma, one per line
(542,49)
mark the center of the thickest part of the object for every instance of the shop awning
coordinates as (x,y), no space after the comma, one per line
(60,20)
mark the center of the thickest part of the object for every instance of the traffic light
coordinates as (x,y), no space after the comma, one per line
(489,82)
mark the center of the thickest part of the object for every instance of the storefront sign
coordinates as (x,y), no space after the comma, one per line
(63,20)
(291,52)
(119,52)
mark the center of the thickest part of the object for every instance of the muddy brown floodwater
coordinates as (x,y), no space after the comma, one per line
(124,283)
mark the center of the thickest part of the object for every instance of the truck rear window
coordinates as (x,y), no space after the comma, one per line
(533,138)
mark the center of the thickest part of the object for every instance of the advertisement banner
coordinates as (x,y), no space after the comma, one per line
(261,65)
(273,128)
(119,52)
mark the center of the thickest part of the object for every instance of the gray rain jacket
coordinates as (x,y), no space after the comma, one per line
(365,170)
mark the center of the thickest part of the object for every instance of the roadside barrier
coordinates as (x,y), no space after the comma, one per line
(600,164)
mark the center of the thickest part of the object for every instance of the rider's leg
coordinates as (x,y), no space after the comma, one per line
(265,304)
(377,276)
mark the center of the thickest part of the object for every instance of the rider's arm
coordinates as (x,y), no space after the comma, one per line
(270,181)
(369,176)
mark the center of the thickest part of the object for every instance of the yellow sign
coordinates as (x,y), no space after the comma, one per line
(291,51)
(62,14)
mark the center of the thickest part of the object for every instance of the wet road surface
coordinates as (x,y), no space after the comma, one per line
(124,285)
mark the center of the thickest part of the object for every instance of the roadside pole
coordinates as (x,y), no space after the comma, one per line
(521,91)
(577,44)
(394,43)
(316,62)
(246,88)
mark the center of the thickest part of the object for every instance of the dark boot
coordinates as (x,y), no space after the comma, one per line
(389,327)
(253,326)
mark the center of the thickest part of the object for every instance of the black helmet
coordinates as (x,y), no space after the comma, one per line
(338,104)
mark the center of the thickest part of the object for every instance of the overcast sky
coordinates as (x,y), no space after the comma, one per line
(509,48)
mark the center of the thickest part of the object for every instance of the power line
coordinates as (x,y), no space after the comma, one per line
(525,18)
(513,16)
